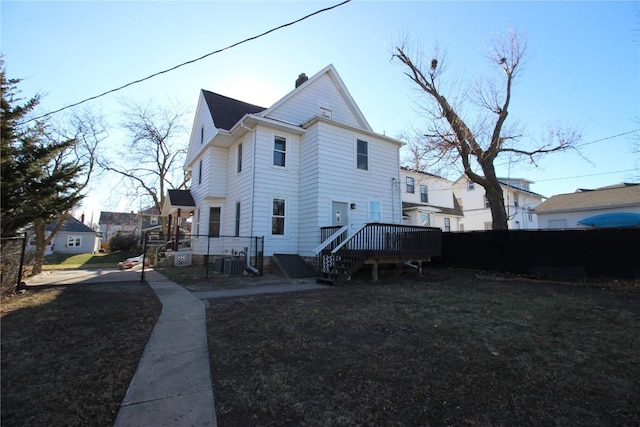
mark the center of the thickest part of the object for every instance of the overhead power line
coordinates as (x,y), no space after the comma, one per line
(608,137)
(288,24)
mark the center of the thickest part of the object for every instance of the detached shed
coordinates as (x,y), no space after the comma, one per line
(74,237)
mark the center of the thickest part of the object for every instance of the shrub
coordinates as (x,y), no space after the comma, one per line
(123,242)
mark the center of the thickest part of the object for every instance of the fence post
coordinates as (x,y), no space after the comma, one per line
(144,255)
(22,251)
(206,274)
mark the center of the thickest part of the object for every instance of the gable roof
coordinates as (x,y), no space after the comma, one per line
(342,88)
(628,195)
(72,225)
(226,111)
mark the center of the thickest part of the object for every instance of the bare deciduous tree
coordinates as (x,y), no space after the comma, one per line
(481,136)
(86,131)
(151,163)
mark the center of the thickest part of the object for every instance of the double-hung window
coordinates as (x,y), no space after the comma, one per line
(74,241)
(214,222)
(424,195)
(237,219)
(362,155)
(410,185)
(239,169)
(279,151)
(278,217)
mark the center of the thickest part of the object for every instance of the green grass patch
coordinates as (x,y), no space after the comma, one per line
(99,260)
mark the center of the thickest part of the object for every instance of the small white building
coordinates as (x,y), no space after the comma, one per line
(73,237)
(566,211)
(519,201)
(428,200)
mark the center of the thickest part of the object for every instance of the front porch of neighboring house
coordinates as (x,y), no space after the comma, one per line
(340,255)
(178,206)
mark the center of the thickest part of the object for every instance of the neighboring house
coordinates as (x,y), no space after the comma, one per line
(519,202)
(568,210)
(150,221)
(112,223)
(311,160)
(428,200)
(73,237)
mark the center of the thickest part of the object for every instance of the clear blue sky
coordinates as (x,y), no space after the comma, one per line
(583,65)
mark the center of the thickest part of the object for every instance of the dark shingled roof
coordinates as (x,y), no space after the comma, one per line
(225,111)
(120,218)
(72,225)
(181,198)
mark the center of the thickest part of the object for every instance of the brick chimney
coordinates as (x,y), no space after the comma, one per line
(301,79)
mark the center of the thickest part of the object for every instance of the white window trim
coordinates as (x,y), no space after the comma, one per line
(370,211)
(286,215)
(413,184)
(355,148)
(287,147)
(76,239)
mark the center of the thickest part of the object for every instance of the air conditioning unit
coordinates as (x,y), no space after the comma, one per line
(233,266)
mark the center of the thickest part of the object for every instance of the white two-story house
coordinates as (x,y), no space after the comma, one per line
(310,160)
(428,200)
(519,202)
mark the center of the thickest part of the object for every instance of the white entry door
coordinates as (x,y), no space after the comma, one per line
(340,213)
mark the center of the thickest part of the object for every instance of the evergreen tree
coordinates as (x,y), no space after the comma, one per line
(38,184)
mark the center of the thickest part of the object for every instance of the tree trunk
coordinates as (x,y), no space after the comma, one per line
(41,246)
(496,205)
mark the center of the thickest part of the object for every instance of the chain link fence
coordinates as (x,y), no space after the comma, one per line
(230,255)
(13,259)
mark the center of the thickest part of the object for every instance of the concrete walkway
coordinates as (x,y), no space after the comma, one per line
(172,383)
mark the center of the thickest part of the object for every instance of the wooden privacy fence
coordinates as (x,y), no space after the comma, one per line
(593,253)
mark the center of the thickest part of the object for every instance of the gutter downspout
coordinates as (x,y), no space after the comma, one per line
(253,175)
(253,193)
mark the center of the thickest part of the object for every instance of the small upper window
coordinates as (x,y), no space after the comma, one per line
(202,135)
(471,185)
(200,172)
(447,224)
(279,151)
(154,220)
(239,157)
(486,202)
(410,185)
(515,199)
(363,155)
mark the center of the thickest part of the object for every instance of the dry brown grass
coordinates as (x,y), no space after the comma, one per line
(445,349)
(69,352)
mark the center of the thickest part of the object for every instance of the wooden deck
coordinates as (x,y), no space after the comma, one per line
(375,244)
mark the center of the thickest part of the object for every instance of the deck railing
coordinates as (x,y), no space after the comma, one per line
(389,240)
(376,240)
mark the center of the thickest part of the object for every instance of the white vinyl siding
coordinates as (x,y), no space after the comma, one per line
(304,104)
